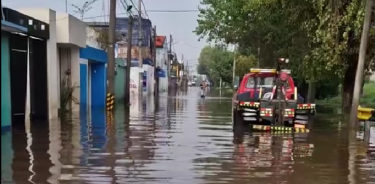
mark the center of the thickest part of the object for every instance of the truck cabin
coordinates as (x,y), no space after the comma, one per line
(265,79)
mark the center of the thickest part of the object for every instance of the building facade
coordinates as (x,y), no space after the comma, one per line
(24,68)
(67,36)
(93,74)
(162,62)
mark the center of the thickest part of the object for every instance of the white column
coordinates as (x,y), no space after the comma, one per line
(27,107)
(75,77)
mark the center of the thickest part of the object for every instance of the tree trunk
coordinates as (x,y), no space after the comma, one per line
(311,92)
(348,86)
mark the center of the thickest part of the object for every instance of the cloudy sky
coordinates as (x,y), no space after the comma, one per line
(163,13)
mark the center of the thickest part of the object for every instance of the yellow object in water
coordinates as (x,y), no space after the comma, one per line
(364,113)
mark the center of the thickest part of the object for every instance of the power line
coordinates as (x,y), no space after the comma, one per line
(144,7)
(172,11)
(150,11)
(134,6)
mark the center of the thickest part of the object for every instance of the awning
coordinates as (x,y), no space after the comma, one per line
(11,27)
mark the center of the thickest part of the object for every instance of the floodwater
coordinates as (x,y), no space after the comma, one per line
(181,139)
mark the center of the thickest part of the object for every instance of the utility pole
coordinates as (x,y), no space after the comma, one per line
(128,60)
(111,47)
(234,68)
(140,39)
(182,70)
(361,62)
(66,6)
(156,78)
(169,60)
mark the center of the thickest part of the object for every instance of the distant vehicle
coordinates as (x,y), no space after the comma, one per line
(269,97)
(193,83)
(189,83)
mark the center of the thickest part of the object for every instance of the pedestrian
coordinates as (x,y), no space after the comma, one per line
(203,88)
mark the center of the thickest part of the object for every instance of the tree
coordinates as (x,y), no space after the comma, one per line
(336,40)
(244,63)
(320,37)
(216,62)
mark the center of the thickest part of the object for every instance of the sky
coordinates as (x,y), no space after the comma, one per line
(179,24)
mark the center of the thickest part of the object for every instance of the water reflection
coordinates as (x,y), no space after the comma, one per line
(181,139)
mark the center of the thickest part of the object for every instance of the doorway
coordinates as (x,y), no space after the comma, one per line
(18,78)
(98,84)
(38,80)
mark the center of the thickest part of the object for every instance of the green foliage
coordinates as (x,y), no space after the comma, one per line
(367,98)
(66,98)
(244,63)
(327,88)
(320,37)
(216,62)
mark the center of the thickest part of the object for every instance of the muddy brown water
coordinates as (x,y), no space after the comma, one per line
(181,139)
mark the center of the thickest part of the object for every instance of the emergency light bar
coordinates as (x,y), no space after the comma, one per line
(258,70)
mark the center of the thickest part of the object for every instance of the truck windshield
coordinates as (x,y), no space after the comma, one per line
(266,82)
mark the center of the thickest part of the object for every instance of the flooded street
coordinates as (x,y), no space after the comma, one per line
(183,139)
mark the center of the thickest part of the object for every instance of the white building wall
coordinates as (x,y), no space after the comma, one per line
(69,61)
(66,32)
(161,59)
(70,30)
(49,16)
(75,64)
(150,79)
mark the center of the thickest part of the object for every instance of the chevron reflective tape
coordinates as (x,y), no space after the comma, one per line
(249,104)
(288,112)
(301,130)
(266,112)
(272,128)
(110,101)
(306,106)
(280,129)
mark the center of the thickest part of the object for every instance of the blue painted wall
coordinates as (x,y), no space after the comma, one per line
(83,89)
(97,59)
(5,83)
(98,85)
(93,54)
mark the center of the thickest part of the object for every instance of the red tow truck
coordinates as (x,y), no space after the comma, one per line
(267,99)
